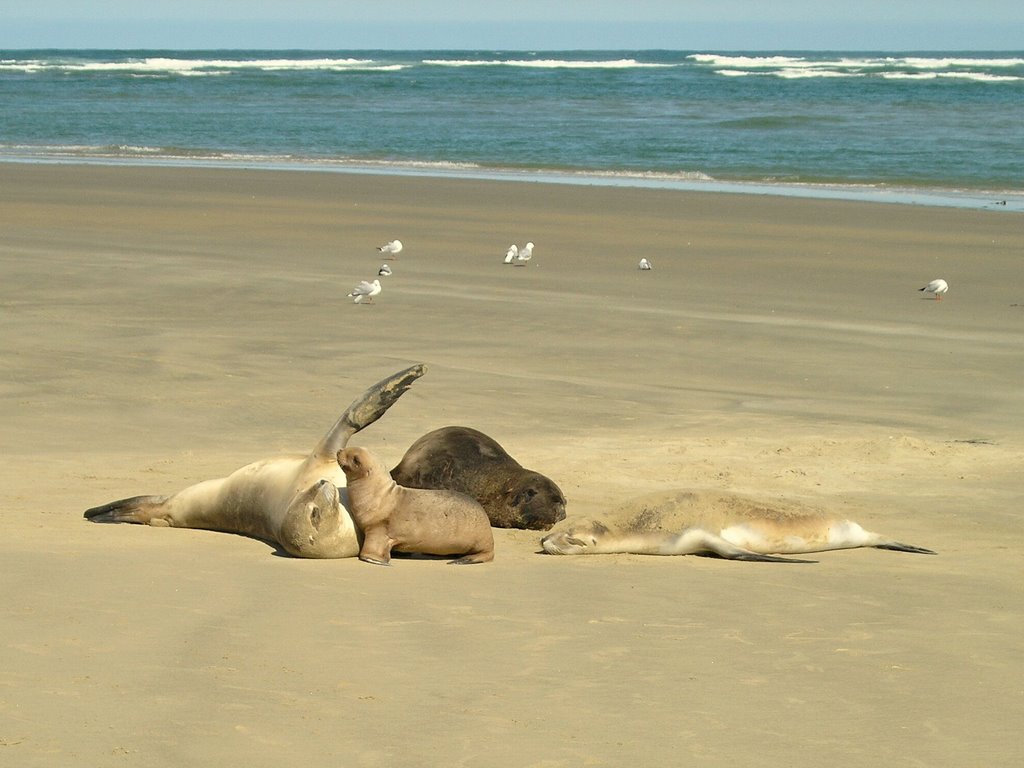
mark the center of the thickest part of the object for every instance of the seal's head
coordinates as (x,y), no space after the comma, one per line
(356,463)
(578,540)
(533,501)
(314,520)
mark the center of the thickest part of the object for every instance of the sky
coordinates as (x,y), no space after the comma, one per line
(516,25)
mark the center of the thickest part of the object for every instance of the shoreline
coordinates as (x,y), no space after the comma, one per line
(1001,201)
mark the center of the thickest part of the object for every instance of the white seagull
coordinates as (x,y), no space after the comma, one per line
(938,287)
(511,253)
(365,290)
(384,270)
(644,264)
(524,255)
(394,247)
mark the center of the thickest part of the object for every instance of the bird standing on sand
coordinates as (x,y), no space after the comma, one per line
(938,287)
(524,255)
(394,247)
(384,270)
(365,290)
(511,253)
(643,265)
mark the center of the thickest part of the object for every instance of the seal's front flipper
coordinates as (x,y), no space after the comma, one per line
(367,408)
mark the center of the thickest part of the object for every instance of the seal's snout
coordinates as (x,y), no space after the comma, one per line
(354,462)
(344,461)
(560,510)
(555,543)
(327,490)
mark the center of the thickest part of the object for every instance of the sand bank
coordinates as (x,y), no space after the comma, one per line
(162,326)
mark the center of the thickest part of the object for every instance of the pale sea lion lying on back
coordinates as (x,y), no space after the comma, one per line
(466,460)
(293,501)
(728,525)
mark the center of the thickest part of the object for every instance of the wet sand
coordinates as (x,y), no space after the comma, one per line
(161,326)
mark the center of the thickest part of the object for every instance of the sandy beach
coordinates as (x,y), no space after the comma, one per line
(161,326)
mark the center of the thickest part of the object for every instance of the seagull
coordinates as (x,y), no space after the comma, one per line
(510,255)
(384,270)
(938,287)
(644,264)
(394,247)
(366,291)
(524,255)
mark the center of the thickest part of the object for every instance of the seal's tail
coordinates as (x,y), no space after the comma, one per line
(137,509)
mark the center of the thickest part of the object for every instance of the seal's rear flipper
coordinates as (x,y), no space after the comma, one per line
(366,409)
(757,557)
(137,509)
(473,558)
(897,547)
(700,541)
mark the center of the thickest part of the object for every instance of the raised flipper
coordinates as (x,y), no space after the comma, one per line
(366,409)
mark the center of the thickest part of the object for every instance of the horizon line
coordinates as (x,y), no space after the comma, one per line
(532,49)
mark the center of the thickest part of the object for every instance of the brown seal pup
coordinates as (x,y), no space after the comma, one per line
(465,460)
(293,501)
(411,520)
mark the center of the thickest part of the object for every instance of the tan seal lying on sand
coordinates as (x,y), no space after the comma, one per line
(409,519)
(466,460)
(712,523)
(293,501)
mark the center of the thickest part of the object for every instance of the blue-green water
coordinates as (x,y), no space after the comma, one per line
(866,121)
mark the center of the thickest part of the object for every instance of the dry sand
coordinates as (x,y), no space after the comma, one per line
(161,326)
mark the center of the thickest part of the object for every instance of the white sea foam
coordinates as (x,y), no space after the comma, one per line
(543,63)
(14,65)
(981,77)
(945,63)
(790,73)
(793,73)
(746,62)
(887,67)
(156,65)
(915,62)
(910,75)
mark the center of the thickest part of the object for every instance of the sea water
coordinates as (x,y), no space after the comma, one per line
(925,127)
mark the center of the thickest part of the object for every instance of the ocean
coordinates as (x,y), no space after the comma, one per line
(945,128)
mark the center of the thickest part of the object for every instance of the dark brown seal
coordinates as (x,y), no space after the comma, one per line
(411,519)
(465,460)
